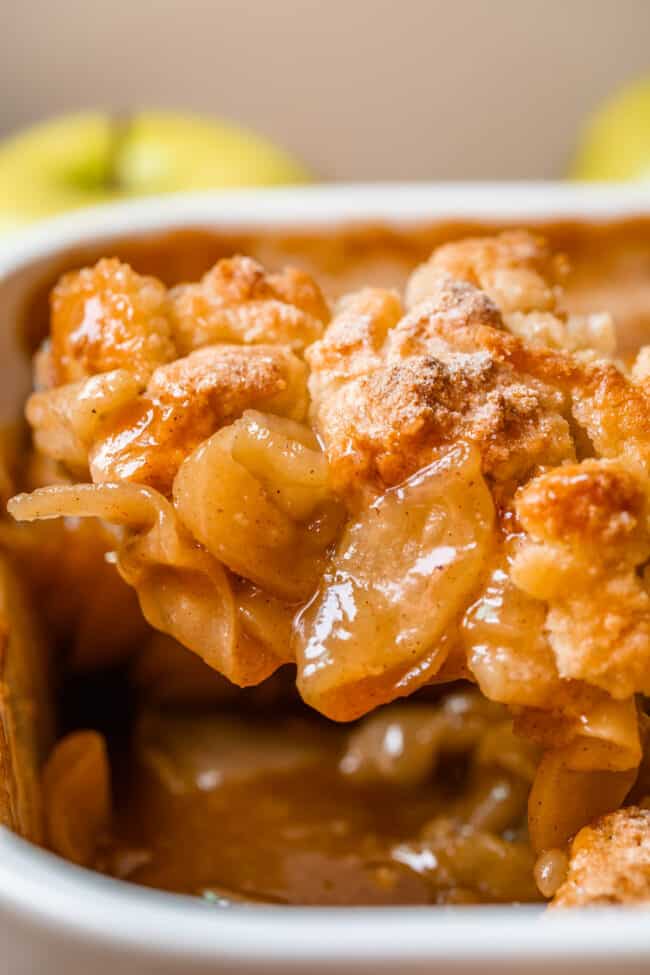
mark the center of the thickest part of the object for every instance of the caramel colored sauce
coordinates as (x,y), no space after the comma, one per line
(284,838)
(237,806)
(283,827)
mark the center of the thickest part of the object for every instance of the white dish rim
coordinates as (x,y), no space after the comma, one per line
(326,205)
(64,900)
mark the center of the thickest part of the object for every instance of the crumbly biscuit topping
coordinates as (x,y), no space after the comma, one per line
(609,862)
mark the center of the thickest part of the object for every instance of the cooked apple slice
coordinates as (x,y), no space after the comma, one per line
(381,622)
(25,710)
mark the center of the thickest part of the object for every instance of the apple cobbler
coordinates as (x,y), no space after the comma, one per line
(363,584)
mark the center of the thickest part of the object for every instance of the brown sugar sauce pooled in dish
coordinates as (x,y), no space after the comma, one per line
(300,812)
(348,469)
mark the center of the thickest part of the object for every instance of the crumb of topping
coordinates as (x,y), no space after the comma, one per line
(598,504)
(388,424)
(588,532)
(614,411)
(517,269)
(518,273)
(108,317)
(451,305)
(609,862)
(239,301)
(438,375)
(352,345)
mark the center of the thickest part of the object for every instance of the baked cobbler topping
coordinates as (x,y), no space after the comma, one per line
(406,491)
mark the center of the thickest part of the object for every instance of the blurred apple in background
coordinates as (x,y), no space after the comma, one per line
(615,142)
(79,160)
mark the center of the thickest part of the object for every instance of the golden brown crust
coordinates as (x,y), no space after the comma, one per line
(535,386)
(596,503)
(609,862)
(449,305)
(588,531)
(237,300)
(600,630)
(614,411)
(188,400)
(517,269)
(108,317)
(441,374)
(352,344)
(388,424)
(113,332)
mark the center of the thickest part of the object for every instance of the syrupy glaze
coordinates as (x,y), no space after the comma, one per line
(300,836)
(259,809)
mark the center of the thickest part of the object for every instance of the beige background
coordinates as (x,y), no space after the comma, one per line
(363,89)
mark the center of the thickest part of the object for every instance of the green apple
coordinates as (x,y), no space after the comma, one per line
(78,160)
(615,142)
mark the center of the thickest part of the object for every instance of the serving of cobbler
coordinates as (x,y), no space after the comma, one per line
(348,598)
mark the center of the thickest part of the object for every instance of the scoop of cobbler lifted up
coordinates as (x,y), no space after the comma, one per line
(450,484)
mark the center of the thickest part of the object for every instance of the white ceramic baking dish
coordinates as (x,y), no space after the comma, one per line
(62,920)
